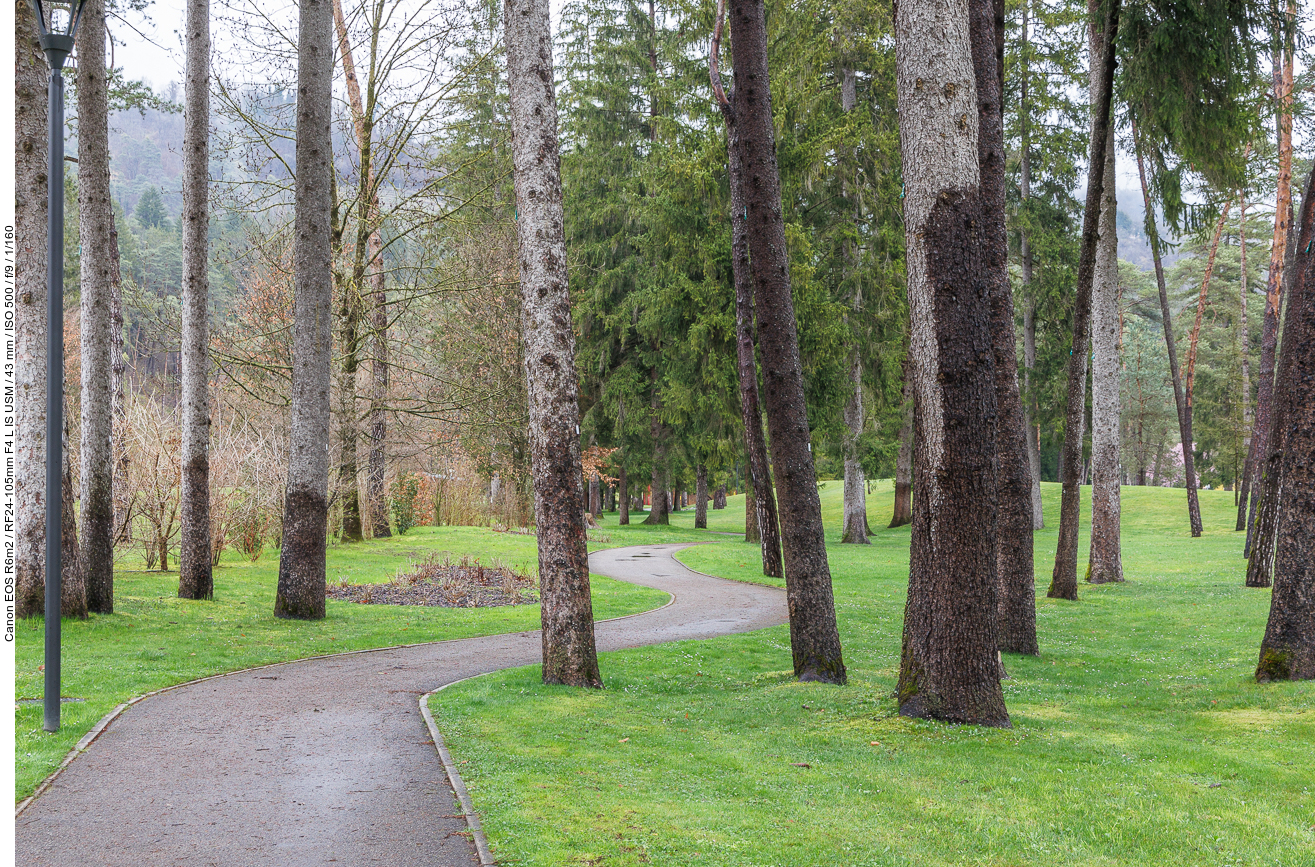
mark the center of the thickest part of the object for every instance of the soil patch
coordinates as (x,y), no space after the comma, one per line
(447,583)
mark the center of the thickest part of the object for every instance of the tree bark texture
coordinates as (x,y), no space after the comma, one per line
(1105,564)
(762,524)
(301,584)
(902,513)
(195,575)
(1271,502)
(1287,651)
(949,668)
(1244,344)
(762,496)
(569,654)
(1278,256)
(659,512)
(1064,578)
(1025,257)
(1016,582)
(854,526)
(1170,342)
(31,118)
(96,216)
(719,497)
(814,636)
(623,497)
(368,259)
(72,575)
(701,499)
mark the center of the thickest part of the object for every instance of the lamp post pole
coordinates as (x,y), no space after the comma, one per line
(57,47)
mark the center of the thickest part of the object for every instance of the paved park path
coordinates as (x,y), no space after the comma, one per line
(325,761)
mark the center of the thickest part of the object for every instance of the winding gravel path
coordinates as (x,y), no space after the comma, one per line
(325,761)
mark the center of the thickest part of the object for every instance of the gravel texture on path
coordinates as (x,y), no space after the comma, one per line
(325,761)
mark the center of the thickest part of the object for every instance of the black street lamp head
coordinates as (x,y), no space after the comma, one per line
(58,31)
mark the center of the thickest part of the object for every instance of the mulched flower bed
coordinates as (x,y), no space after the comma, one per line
(443,582)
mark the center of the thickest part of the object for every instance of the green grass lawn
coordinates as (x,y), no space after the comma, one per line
(154,639)
(1139,735)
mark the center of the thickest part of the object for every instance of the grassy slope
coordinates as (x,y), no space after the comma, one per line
(1139,735)
(154,639)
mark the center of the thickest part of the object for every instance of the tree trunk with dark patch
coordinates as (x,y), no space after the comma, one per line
(1016,583)
(701,499)
(814,636)
(30,234)
(96,495)
(719,497)
(1105,563)
(1287,651)
(1064,579)
(301,583)
(569,654)
(949,668)
(195,569)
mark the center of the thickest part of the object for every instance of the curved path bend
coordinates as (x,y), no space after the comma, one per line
(325,761)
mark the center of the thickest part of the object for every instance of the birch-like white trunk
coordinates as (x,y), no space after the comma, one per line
(1106,562)
(854,527)
(195,576)
(301,584)
(569,654)
(96,235)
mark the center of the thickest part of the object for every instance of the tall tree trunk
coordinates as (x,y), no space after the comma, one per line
(30,191)
(1015,580)
(949,668)
(1106,561)
(195,575)
(760,499)
(96,234)
(365,258)
(752,529)
(72,575)
(301,583)
(814,636)
(1064,578)
(854,527)
(623,497)
(569,654)
(1268,506)
(659,511)
(376,490)
(1170,342)
(903,511)
(1203,297)
(1244,480)
(1025,255)
(1287,651)
(1278,257)
(701,499)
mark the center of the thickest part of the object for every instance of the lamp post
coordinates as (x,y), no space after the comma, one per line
(57,42)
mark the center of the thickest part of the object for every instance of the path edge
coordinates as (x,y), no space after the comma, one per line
(454,777)
(86,741)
